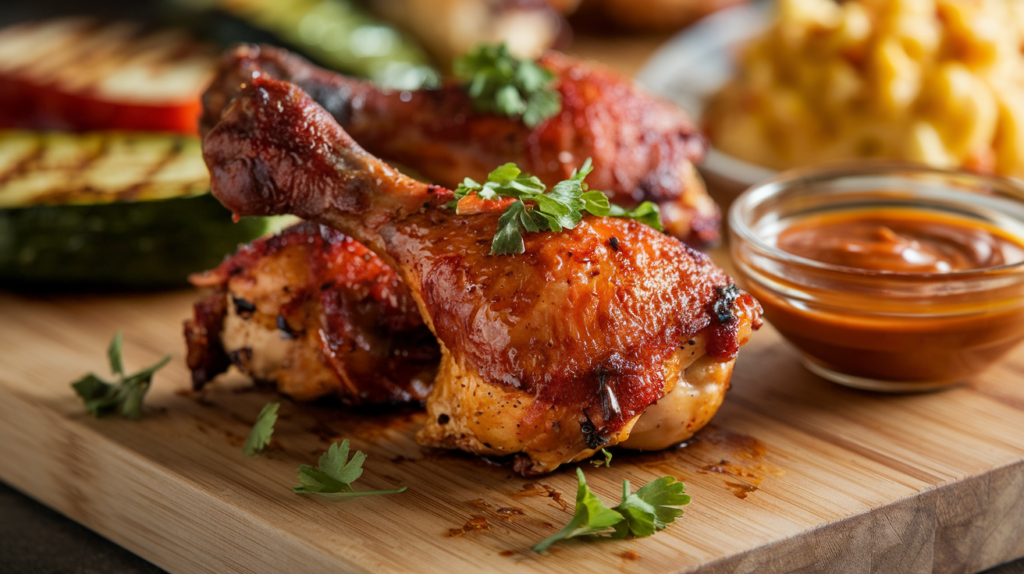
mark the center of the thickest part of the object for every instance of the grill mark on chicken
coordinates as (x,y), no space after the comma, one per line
(643,148)
(531,344)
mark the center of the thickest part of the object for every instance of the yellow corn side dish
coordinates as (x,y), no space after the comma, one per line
(933,81)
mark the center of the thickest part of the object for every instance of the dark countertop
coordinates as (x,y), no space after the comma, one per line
(37,540)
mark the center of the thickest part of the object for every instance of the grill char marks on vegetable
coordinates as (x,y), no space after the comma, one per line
(527,339)
(353,328)
(643,148)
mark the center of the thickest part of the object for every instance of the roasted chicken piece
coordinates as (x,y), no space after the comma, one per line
(643,148)
(315,313)
(551,354)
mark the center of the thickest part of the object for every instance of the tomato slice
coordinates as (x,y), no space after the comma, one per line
(28,106)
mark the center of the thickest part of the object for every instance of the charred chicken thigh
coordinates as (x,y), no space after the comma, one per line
(643,148)
(316,314)
(549,355)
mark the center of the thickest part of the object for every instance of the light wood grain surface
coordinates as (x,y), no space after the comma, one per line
(793,475)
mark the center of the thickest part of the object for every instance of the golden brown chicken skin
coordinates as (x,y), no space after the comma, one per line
(643,148)
(550,354)
(316,314)
(557,352)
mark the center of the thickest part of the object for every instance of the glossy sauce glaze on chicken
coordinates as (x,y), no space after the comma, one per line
(643,148)
(551,354)
(316,314)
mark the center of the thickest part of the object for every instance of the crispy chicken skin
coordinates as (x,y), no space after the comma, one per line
(315,313)
(643,148)
(551,354)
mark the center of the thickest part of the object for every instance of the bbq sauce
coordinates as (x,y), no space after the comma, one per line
(900,240)
(903,294)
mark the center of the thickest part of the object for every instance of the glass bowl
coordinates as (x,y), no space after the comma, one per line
(883,330)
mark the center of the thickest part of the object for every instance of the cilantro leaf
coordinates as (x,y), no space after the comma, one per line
(508,239)
(124,396)
(640,514)
(664,494)
(114,354)
(646,213)
(637,514)
(91,387)
(597,203)
(262,429)
(502,84)
(335,475)
(590,517)
(541,106)
(508,100)
(650,509)
(607,462)
(561,207)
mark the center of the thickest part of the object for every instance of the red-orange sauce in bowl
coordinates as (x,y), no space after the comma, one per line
(889,289)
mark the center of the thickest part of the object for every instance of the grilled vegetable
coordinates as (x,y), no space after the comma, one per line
(80,74)
(338,34)
(110,209)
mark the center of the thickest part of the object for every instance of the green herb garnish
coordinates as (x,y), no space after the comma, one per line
(560,208)
(646,213)
(262,429)
(648,510)
(335,475)
(607,459)
(124,396)
(590,517)
(502,84)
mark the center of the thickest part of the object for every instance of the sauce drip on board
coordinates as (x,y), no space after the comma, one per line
(900,240)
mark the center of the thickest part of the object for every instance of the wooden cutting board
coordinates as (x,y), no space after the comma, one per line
(794,474)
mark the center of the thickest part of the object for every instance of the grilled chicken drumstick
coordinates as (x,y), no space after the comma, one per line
(643,148)
(317,314)
(551,354)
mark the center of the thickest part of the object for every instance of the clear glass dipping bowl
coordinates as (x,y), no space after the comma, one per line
(883,330)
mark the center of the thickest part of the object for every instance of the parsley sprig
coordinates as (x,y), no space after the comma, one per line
(262,429)
(335,475)
(648,510)
(556,209)
(590,517)
(124,396)
(503,84)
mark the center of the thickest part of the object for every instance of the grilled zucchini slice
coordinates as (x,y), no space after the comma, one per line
(337,34)
(111,209)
